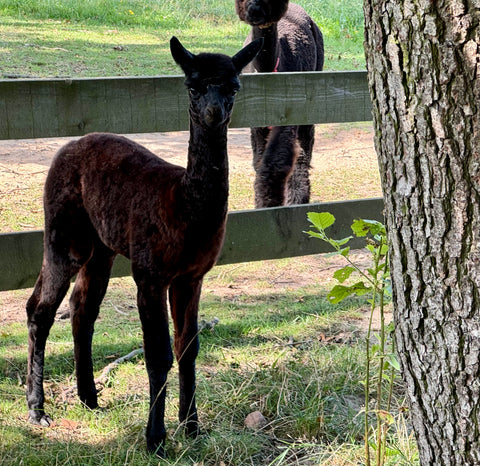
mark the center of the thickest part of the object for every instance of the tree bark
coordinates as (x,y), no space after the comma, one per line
(423,70)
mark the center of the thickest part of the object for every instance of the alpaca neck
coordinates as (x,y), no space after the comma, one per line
(267,60)
(206,177)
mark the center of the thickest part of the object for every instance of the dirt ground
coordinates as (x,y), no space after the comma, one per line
(336,140)
(339,150)
(346,146)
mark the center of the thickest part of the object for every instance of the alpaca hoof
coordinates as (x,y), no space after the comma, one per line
(39,419)
(157,448)
(192,429)
(90,403)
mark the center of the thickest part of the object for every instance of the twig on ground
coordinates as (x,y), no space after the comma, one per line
(103,377)
(117,309)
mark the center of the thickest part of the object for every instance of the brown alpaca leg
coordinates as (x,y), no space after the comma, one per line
(184,299)
(90,287)
(50,289)
(276,167)
(67,247)
(152,306)
(299,182)
(258,137)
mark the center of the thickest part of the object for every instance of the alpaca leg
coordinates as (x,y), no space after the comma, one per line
(299,182)
(258,137)
(276,167)
(49,291)
(184,299)
(90,287)
(67,247)
(152,305)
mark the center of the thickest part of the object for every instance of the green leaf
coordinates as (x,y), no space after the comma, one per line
(339,292)
(341,242)
(345,251)
(360,288)
(385,376)
(315,234)
(392,451)
(343,274)
(362,227)
(337,243)
(321,220)
(387,289)
(393,361)
(381,266)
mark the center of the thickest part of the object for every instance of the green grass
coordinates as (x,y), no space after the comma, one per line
(51,38)
(287,352)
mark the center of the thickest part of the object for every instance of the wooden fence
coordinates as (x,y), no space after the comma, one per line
(72,107)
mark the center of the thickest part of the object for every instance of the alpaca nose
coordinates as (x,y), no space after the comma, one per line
(214,115)
(215,111)
(256,12)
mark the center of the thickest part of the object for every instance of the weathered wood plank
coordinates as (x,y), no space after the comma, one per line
(251,236)
(72,107)
(278,232)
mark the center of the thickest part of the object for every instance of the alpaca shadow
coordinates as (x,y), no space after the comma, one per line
(60,365)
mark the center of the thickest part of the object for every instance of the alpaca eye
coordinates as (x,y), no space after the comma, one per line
(193,92)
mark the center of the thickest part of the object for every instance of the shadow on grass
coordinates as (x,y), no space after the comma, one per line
(28,445)
(252,321)
(304,391)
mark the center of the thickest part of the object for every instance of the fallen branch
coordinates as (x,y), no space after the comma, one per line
(103,377)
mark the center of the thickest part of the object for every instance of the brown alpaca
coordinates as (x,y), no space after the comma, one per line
(282,154)
(106,195)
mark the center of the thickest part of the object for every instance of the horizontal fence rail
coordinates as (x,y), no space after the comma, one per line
(39,108)
(32,108)
(251,235)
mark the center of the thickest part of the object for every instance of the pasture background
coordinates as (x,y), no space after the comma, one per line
(130,37)
(279,346)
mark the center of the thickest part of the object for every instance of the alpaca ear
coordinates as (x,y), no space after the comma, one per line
(181,55)
(247,54)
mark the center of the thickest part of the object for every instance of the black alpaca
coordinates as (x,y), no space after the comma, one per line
(282,154)
(106,195)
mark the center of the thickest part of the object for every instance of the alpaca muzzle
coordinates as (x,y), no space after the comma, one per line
(218,109)
(214,115)
(256,15)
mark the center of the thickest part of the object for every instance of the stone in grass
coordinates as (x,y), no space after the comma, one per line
(255,420)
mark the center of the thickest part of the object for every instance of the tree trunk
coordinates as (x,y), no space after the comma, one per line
(423,70)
